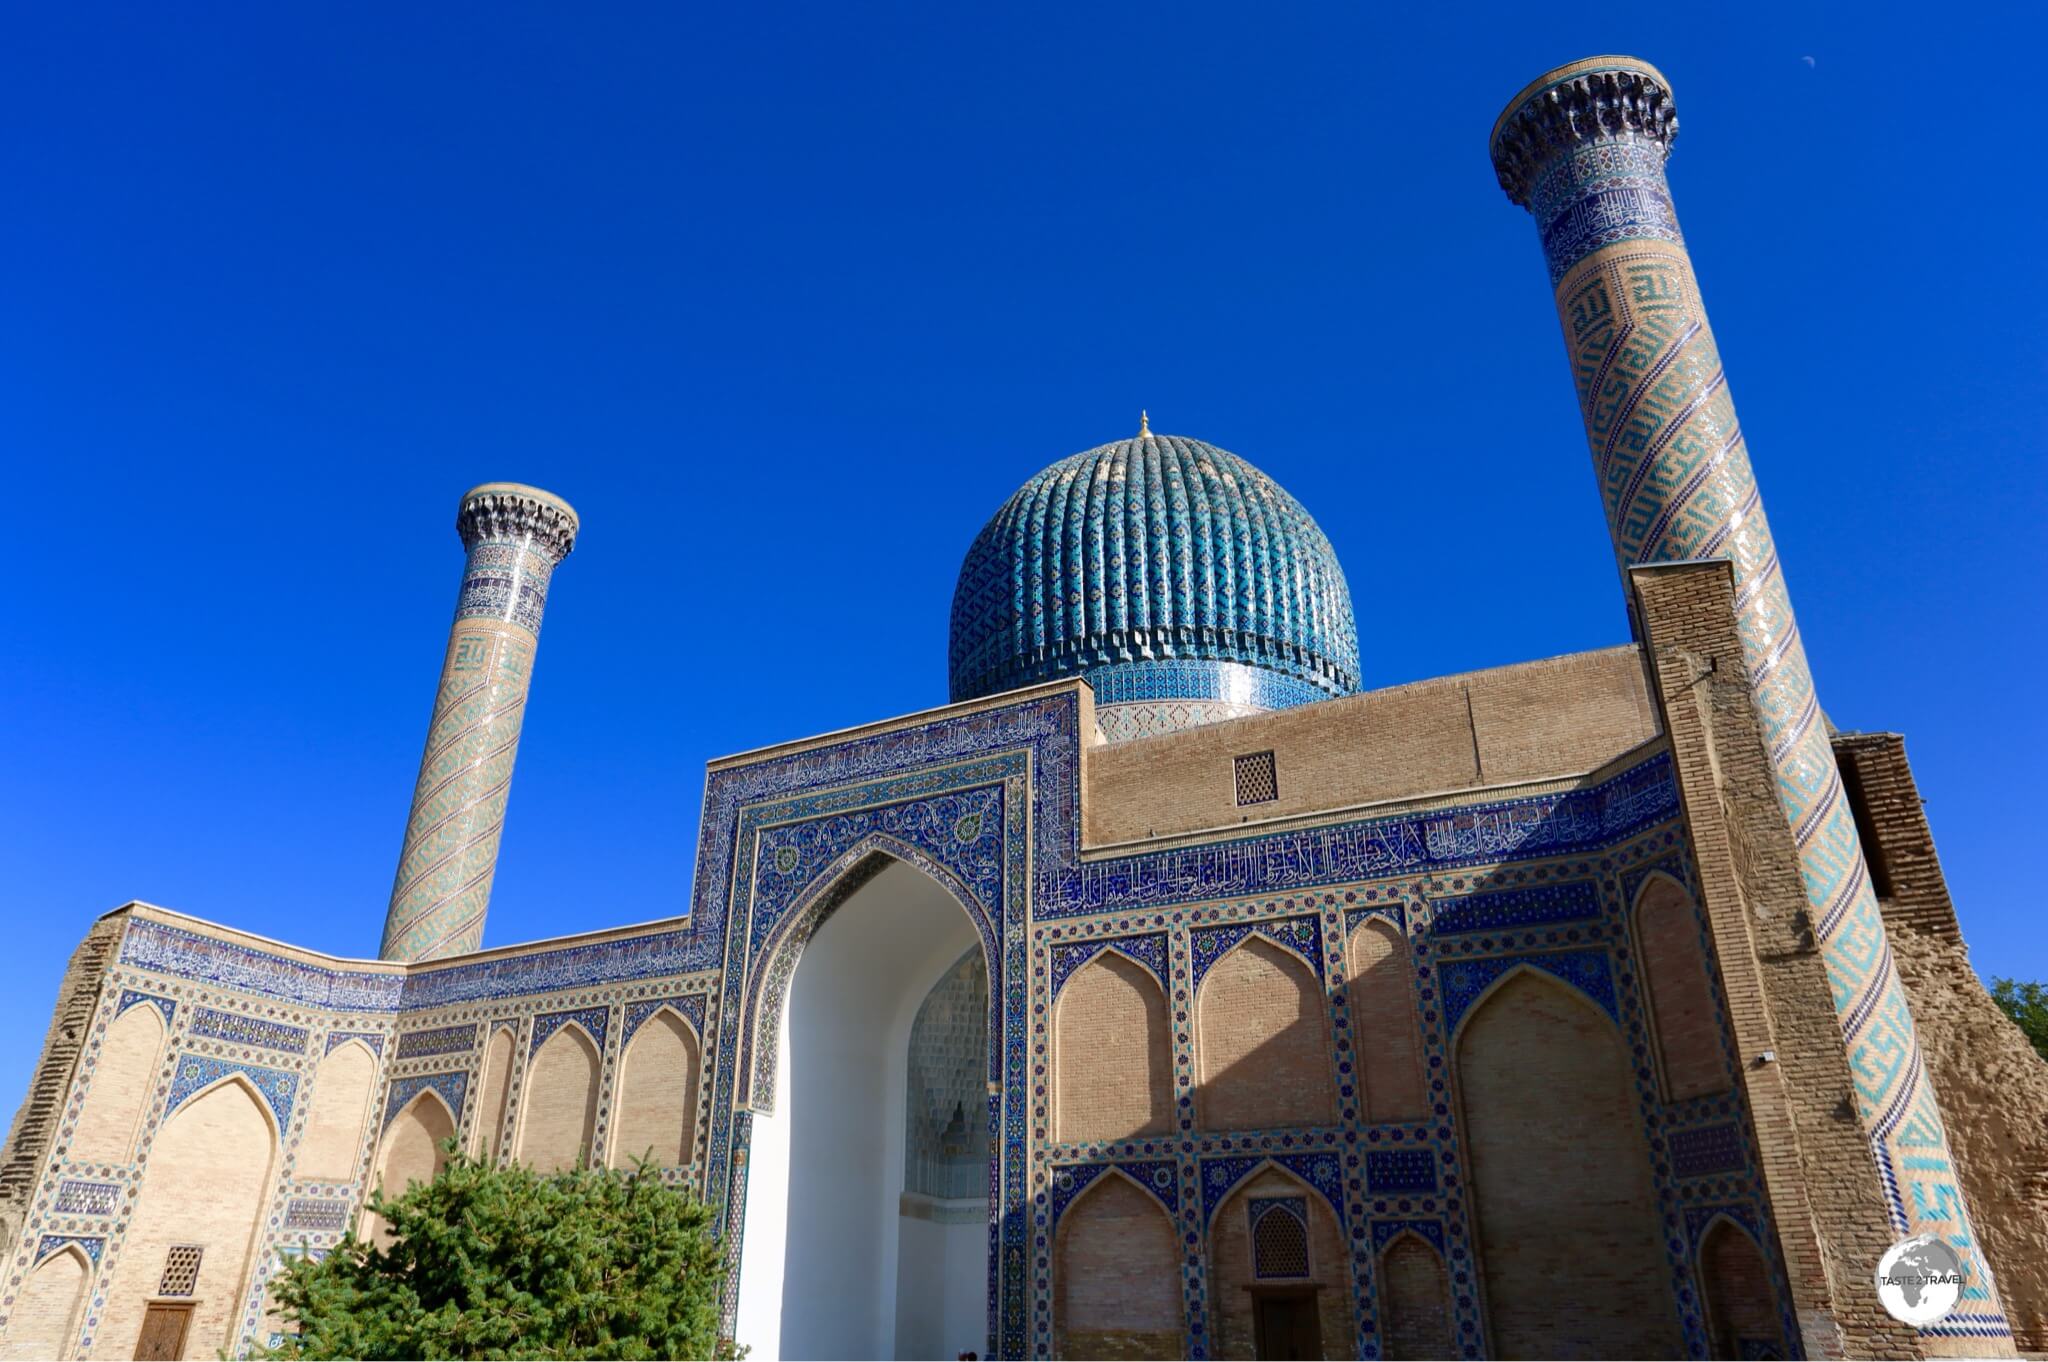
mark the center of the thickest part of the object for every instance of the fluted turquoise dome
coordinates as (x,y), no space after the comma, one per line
(1172,574)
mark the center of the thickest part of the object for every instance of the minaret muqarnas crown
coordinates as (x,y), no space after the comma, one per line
(516,536)
(1583,148)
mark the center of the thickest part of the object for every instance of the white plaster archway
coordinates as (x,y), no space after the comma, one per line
(823,1245)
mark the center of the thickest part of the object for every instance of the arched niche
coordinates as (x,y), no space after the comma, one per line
(657,1106)
(1559,1171)
(43,1322)
(122,1078)
(1415,1300)
(1386,1037)
(1112,1057)
(1741,1298)
(342,1088)
(559,1122)
(1116,1275)
(1257,1295)
(224,1140)
(1263,1041)
(1690,1048)
(489,1137)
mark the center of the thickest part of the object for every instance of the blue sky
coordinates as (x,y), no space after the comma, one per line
(786,299)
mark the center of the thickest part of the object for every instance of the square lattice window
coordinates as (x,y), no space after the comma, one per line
(1257,782)
(1279,1236)
(181,1271)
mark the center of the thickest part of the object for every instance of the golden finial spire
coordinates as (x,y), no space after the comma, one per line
(1144,425)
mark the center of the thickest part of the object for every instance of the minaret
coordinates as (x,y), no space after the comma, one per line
(1583,149)
(515,536)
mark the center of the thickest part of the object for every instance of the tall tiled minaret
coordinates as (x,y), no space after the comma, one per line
(1583,149)
(515,535)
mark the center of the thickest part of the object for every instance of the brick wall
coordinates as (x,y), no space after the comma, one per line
(1113,1069)
(1667,930)
(657,1109)
(342,1088)
(1116,1276)
(1415,1309)
(35,1121)
(556,1129)
(1262,1041)
(1737,1284)
(489,1137)
(44,1321)
(1380,985)
(1556,717)
(121,1083)
(1994,1086)
(1559,1170)
(1830,1212)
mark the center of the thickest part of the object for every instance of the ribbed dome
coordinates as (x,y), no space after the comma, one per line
(1163,569)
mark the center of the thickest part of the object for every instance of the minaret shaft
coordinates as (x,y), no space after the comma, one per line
(1583,149)
(515,536)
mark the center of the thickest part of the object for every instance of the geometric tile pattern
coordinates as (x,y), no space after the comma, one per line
(50,1243)
(1573,902)
(515,537)
(1708,1149)
(1401,1170)
(1149,951)
(241,1029)
(445,1040)
(316,1213)
(1301,935)
(449,1086)
(278,1087)
(1586,157)
(1587,971)
(130,998)
(690,1006)
(87,1198)
(591,1019)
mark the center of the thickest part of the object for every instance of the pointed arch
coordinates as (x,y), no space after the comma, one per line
(1740,1295)
(1415,1300)
(225,1140)
(1386,1035)
(1116,1275)
(1559,1170)
(343,1085)
(1262,1037)
(1112,1056)
(411,1150)
(1236,1283)
(657,1105)
(122,1079)
(45,1317)
(1692,1056)
(775,962)
(489,1137)
(558,1126)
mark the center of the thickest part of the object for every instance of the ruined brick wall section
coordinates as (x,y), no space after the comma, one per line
(35,1122)
(1825,1197)
(1994,1087)
(1561,716)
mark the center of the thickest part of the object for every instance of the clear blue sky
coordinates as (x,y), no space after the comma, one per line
(787,299)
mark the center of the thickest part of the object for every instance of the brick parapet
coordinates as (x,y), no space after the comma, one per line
(1827,1204)
(1897,839)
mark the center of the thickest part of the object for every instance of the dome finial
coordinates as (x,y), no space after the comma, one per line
(1144,425)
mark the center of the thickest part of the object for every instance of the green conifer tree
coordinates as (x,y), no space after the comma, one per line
(505,1262)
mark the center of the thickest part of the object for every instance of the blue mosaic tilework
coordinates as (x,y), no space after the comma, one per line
(369,1038)
(1302,935)
(591,1019)
(87,1198)
(1697,1218)
(1396,913)
(442,1040)
(173,950)
(1385,1231)
(278,1087)
(316,1214)
(1556,824)
(129,998)
(1157,1176)
(601,962)
(1587,971)
(234,1027)
(505,582)
(1151,550)
(90,1245)
(1576,901)
(689,1005)
(1708,1149)
(450,1086)
(1230,682)
(1319,1170)
(1148,950)
(1400,1170)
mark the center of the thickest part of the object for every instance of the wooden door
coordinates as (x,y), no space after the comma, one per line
(1285,1325)
(163,1332)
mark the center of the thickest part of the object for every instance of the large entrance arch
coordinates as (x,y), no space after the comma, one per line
(842,1255)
